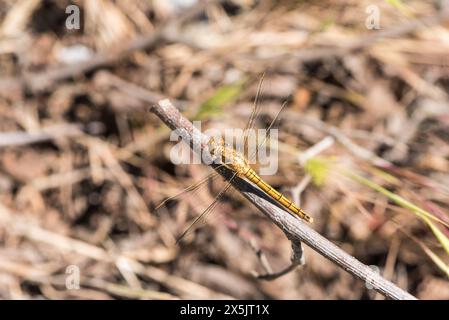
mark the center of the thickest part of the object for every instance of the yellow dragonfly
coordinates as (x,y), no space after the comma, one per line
(240,167)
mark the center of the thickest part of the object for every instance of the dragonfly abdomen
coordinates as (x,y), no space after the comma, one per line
(252,176)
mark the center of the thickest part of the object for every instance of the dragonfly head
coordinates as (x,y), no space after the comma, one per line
(221,151)
(215,146)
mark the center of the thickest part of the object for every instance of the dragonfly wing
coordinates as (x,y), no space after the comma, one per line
(201,219)
(251,157)
(254,111)
(190,188)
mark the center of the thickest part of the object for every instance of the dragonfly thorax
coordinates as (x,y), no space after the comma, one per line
(229,157)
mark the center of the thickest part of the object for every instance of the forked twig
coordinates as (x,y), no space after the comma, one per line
(296,230)
(296,260)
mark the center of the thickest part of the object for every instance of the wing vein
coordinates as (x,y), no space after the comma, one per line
(207,211)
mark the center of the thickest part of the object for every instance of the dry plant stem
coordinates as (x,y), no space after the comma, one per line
(314,54)
(36,82)
(112,82)
(297,260)
(296,230)
(262,258)
(14,224)
(20,138)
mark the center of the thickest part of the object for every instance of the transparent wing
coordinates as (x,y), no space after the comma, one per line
(276,118)
(201,219)
(192,188)
(254,111)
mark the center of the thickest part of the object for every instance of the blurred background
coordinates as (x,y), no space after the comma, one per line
(363,145)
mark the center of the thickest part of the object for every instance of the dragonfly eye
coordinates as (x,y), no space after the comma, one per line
(211,142)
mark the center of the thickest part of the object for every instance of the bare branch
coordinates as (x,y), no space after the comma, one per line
(296,230)
(296,260)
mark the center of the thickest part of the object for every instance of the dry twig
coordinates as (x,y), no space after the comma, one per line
(296,230)
(35,82)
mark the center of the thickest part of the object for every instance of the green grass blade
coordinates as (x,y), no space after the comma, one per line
(319,169)
(222,96)
(426,216)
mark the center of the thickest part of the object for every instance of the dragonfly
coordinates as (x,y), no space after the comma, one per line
(239,165)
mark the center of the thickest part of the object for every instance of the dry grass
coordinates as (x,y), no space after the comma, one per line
(83,165)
